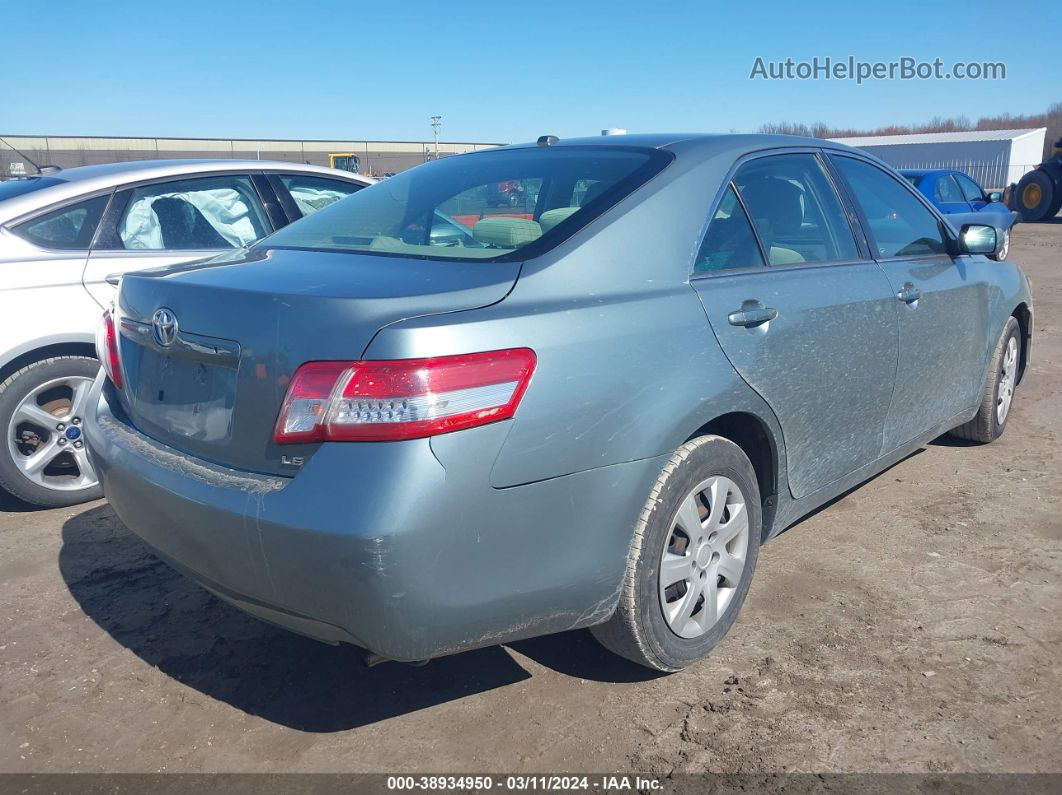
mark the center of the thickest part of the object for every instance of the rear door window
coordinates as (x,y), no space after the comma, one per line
(199,214)
(901,226)
(69,228)
(795,210)
(311,194)
(948,192)
(729,242)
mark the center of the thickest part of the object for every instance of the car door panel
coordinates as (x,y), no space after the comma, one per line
(940,302)
(41,297)
(824,364)
(802,313)
(937,376)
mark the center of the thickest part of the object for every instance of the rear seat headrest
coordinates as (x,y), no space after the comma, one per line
(551,218)
(505,232)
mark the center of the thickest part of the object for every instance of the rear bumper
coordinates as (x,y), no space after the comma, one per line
(401,548)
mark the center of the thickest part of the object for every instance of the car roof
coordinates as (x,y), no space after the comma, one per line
(693,145)
(82,180)
(924,172)
(133,169)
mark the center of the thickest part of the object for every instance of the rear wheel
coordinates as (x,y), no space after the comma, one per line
(692,559)
(43,460)
(998,395)
(1038,196)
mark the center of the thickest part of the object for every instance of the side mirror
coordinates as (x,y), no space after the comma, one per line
(995,196)
(977,239)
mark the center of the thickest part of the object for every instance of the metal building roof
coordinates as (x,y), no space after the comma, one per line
(940,138)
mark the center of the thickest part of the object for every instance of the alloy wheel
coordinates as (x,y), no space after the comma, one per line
(1007,380)
(45,436)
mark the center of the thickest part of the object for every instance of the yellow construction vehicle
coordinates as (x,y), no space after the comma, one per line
(345,161)
(1039,193)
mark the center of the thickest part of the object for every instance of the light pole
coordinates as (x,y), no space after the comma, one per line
(436,123)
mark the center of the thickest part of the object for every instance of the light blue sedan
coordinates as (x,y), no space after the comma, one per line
(592,416)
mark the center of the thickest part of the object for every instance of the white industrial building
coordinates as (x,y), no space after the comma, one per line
(375,158)
(994,158)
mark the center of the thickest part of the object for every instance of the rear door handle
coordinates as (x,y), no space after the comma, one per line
(753,316)
(909,294)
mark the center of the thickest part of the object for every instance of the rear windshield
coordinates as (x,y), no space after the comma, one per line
(17,187)
(502,204)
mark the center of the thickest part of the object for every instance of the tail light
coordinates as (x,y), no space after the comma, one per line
(402,399)
(107,348)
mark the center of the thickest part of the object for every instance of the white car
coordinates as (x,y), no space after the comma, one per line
(62,234)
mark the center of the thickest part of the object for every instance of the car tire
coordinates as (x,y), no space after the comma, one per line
(1037,197)
(1004,250)
(998,394)
(649,626)
(52,385)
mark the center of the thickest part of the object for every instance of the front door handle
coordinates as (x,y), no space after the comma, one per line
(909,294)
(752,316)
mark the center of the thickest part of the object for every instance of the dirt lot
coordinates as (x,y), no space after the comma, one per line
(914,625)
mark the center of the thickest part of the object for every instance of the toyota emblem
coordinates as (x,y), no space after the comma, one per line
(164,326)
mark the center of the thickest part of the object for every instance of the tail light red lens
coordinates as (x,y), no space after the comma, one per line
(402,399)
(107,348)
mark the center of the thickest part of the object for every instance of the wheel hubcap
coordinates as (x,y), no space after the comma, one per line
(1007,379)
(703,557)
(45,438)
(1031,196)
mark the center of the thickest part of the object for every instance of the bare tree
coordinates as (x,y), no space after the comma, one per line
(1051,119)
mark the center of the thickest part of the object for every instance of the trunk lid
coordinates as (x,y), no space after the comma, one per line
(209,377)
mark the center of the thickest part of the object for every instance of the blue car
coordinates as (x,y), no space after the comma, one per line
(954,192)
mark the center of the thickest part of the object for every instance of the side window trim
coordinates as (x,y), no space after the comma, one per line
(851,207)
(274,213)
(291,210)
(945,229)
(748,219)
(107,231)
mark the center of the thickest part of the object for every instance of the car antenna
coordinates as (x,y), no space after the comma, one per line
(40,169)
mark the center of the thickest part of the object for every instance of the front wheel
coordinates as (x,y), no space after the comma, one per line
(691,560)
(998,394)
(43,460)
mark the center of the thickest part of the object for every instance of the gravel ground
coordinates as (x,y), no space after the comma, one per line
(912,625)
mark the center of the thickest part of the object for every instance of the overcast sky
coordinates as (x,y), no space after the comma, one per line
(501,71)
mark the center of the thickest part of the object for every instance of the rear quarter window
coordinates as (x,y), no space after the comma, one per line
(68,228)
